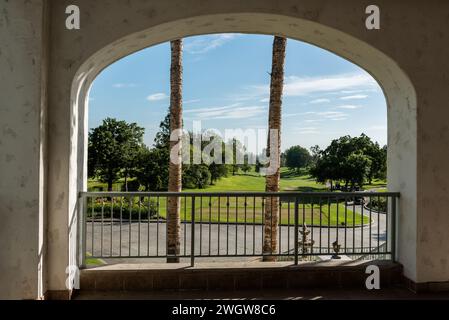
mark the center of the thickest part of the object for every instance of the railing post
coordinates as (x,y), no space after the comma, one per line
(82,231)
(393,228)
(296,230)
(192,240)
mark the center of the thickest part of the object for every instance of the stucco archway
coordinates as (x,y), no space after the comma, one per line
(398,90)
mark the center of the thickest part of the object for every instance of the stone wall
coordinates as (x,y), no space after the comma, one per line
(22,148)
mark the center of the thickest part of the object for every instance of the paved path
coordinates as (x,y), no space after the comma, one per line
(148,239)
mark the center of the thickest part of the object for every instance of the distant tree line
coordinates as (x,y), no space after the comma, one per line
(346,164)
(117,151)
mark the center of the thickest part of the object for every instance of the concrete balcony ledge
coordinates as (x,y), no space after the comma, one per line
(257,264)
(233,276)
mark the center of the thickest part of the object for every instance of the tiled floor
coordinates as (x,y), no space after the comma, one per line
(324,294)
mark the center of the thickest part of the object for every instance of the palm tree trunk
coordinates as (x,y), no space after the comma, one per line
(274,122)
(175,169)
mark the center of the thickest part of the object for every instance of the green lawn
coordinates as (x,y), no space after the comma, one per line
(379,185)
(290,181)
(91,261)
(251,211)
(254,182)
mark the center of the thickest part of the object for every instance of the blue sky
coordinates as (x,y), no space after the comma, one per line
(226,86)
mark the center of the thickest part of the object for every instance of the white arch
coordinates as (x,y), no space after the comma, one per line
(397,88)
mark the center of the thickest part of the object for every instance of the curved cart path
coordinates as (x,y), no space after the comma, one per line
(223,239)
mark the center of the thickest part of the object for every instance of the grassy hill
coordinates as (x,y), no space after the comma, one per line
(233,209)
(255,182)
(290,181)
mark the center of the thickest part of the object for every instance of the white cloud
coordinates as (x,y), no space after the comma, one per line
(288,115)
(124,85)
(200,45)
(249,94)
(349,106)
(157,97)
(316,101)
(356,91)
(329,114)
(191,101)
(234,111)
(300,86)
(296,86)
(306,130)
(333,115)
(354,97)
(325,115)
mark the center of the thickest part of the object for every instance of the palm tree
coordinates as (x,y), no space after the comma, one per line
(175,167)
(270,245)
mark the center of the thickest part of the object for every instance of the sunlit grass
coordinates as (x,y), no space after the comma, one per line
(250,210)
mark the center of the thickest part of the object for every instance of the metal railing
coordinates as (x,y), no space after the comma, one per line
(132,225)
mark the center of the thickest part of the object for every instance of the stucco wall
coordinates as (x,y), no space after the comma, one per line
(22,102)
(408,54)
(127,26)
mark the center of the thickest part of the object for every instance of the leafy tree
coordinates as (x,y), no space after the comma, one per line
(196,176)
(131,149)
(238,152)
(283,160)
(246,167)
(112,146)
(357,166)
(315,150)
(382,166)
(152,169)
(217,171)
(324,169)
(297,157)
(378,157)
(258,165)
(351,160)
(162,138)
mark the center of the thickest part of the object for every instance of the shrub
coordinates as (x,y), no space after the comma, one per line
(378,204)
(123,208)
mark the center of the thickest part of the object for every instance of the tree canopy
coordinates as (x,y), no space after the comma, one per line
(113,148)
(297,157)
(351,160)
(116,150)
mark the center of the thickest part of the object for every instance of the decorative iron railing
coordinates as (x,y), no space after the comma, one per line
(131,225)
